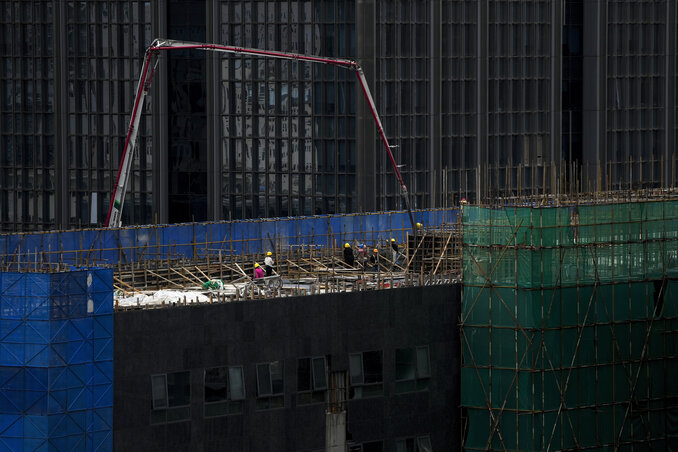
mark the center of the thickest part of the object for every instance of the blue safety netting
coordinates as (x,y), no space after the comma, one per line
(194,240)
(56,360)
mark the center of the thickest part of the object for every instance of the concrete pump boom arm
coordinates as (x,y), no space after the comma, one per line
(114,216)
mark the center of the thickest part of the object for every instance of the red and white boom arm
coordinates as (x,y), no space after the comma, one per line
(117,200)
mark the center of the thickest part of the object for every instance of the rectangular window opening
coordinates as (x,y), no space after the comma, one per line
(311,380)
(224,391)
(418,444)
(171,394)
(270,385)
(366,374)
(412,369)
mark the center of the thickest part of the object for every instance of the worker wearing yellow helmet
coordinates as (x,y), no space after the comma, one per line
(396,252)
(268,263)
(258,272)
(348,255)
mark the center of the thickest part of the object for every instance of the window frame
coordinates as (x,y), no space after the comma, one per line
(229,405)
(170,413)
(153,399)
(270,399)
(416,441)
(421,376)
(230,384)
(358,387)
(316,392)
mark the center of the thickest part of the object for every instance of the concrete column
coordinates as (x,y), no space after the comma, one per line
(214,211)
(481,93)
(366,131)
(594,93)
(61,208)
(436,189)
(335,432)
(669,153)
(159,107)
(557,20)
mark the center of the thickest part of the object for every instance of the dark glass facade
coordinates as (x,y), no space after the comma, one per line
(459,109)
(478,98)
(68,76)
(287,128)
(104,48)
(573,68)
(404,100)
(636,85)
(27,115)
(629,92)
(519,87)
(187,114)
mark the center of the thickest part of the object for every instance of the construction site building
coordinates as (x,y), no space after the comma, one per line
(532,323)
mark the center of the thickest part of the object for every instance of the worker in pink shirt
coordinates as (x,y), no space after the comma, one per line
(258,272)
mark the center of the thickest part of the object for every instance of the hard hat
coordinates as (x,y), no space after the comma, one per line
(256,265)
(393,240)
(346,245)
(269,254)
(463,200)
(418,225)
(361,245)
(376,250)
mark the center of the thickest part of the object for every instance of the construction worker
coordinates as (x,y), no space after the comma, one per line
(362,255)
(348,255)
(268,263)
(396,253)
(374,260)
(258,272)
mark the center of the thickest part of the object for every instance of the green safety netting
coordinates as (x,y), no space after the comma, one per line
(531,247)
(570,326)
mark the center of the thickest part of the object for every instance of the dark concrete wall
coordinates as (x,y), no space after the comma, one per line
(249,332)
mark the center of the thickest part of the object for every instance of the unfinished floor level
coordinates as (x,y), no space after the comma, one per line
(213,262)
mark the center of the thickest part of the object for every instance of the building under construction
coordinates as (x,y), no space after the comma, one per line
(569,324)
(534,323)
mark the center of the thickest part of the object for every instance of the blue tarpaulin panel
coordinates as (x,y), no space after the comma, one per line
(196,240)
(56,360)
